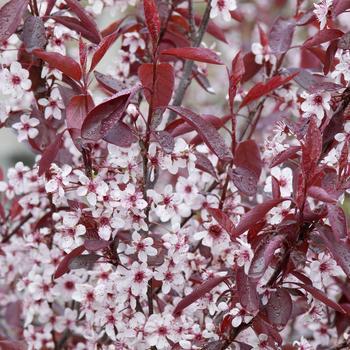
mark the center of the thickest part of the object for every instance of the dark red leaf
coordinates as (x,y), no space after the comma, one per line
(179,126)
(204,164)
(13,345)
(323,36)
(165,140)
(206,130)
(63,266)
(313,83)
(340,250)
(85,19)
(320,194)
(85,261)
(223,220)
(256,214)
(281,35)
(194,54)
(250,66)
(322,297)
(120,135)
(152,20)
(74,24)
(94,245)
(33,35)
(77,110)
(248,167)
(340,6)
(160,94)
(65,64)
(276,191)
(109,83)
(235,76)
(264,255)
(103,117)
(330,56)
(263,89)
(247,291)
(102,48)
(337,220)
(279,308)
(10,17)
(199,292)
(260,326)
(50,154)
(311,149)
(284,156)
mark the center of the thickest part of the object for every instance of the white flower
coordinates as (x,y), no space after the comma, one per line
(59,180)
(303,344)
(324,268)
(142,246)
(321,11)
(159,329)
(222,8)
(277,214)
(53,105)
(285,180)
(134,41)
(136,278)
(26,128)
(343,67)
(240,315)
(263,54)
(169,275)
(15,81)
(262,343)
(93,189)
(316,103)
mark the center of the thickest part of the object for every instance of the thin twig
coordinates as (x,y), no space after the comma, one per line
(187,74)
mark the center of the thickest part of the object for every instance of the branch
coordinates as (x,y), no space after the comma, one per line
(186,77)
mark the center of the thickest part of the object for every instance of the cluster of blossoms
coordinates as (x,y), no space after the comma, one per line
(138,227)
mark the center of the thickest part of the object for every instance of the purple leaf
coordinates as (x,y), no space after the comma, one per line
(33,35)
(264,254)
(321,296)
(337,220)
(87,21)
(284,155)
(10,17)
(103,117)
(85,261)
(65,64)
(63,266)
(160,91)
(165,140)
(204,164)
(256,214)
(223,220)
(320,194)
(199,292)
(281,35)
(207,131)
(279,308)
(248,167)
(94,245)
(247,291)
(50,154)
(194,54)
(121,135)
(323,36)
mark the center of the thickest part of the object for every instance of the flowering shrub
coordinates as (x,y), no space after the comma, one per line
(173,203)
